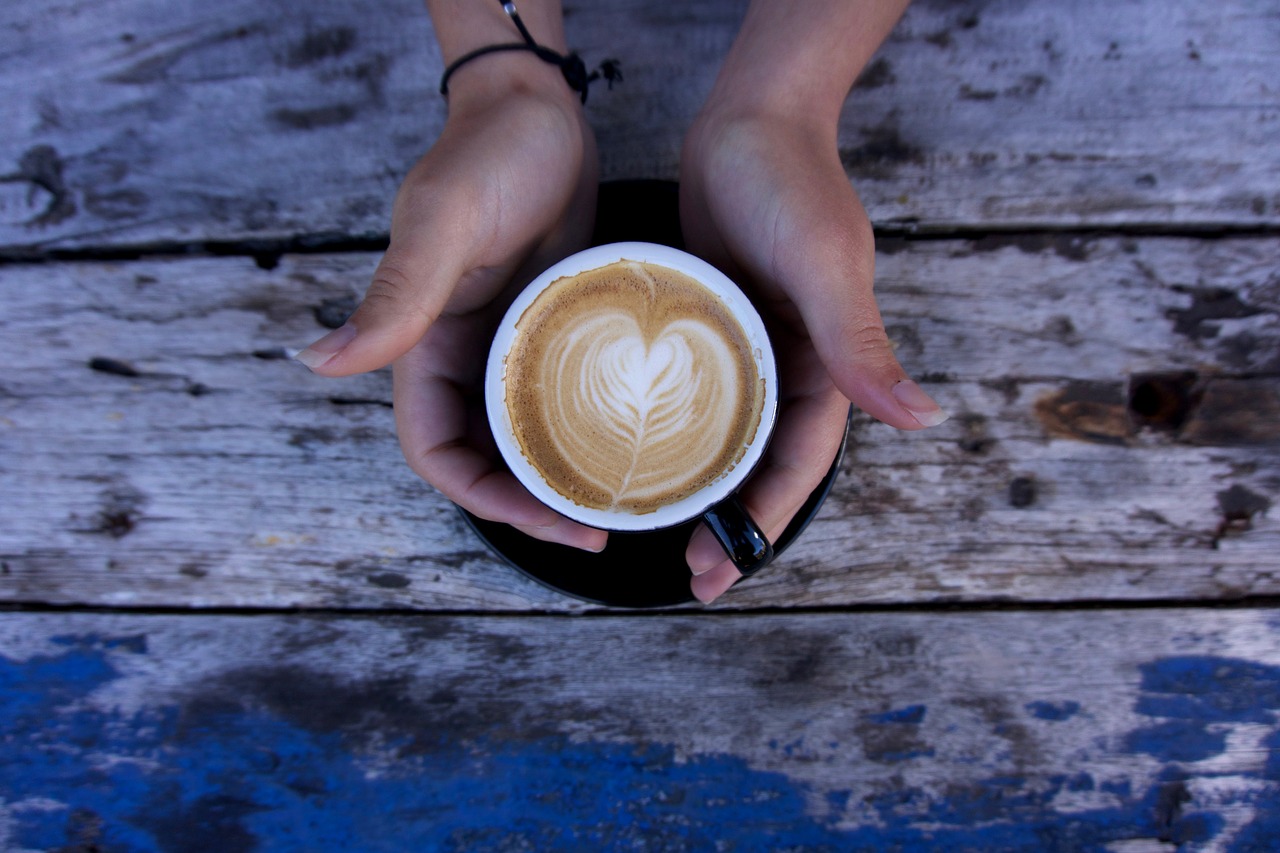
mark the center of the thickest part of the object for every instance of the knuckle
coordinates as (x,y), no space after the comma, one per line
(867,343)
(395,293)
(391,280)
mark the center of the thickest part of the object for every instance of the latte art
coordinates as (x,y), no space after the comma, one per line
(631,387)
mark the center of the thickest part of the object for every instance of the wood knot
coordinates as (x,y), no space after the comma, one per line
(1086,411)
(1238,506)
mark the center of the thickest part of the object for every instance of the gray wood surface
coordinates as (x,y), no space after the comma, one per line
(134,122)
(1115,436)
(1101,730)
(1077,207)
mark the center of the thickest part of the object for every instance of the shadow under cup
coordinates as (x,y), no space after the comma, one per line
(642,568)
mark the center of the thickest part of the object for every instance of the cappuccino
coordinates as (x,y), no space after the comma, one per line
(631,386)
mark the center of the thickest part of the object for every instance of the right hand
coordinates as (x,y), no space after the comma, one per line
(508,189)
(766,199)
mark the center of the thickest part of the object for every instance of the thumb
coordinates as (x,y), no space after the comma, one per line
(855,349)
(835,299)
(407,294)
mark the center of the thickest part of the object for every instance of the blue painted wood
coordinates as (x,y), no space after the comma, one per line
(1035,732)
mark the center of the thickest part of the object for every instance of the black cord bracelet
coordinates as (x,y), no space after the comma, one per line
(571,66)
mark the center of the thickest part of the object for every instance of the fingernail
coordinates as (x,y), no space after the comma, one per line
(921,406)
(320,352)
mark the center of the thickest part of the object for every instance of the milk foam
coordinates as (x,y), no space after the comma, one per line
(631,387)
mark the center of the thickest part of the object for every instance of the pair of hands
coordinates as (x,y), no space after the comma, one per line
(510,187)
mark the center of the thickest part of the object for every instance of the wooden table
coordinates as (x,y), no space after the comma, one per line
(234,619)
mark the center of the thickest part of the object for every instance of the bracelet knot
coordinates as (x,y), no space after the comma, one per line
(571,66)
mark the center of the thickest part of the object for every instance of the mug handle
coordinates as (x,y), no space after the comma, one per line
(739,535)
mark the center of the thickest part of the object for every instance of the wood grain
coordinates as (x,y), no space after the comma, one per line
(1111,439)
(1151,730)
(141,122)
(1114,445)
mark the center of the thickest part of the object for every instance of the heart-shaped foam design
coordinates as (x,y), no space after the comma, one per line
(635,396)
(646,393)
(642,414)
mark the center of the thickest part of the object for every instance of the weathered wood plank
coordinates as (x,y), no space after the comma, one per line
(1045,732)
(140,121)
(1113,439)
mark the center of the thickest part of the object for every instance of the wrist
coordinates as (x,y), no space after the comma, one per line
(729,104)
(724,136)
(812,47)
(496,76)
(749,89)
(465,26)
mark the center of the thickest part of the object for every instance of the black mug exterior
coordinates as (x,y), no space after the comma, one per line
(739,535)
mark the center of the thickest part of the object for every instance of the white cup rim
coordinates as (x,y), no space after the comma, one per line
(680,511)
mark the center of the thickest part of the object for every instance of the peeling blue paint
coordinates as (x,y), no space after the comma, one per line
(1121,788)
(1177,740)
(1263,832)
(913,714)
(243,777)
(1198,696)
(1053,711)
(1079,782)
(1210,690)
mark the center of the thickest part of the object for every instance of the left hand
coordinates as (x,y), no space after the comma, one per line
(768,202)
(507,189)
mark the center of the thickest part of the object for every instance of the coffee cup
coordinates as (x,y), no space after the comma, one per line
(632,387)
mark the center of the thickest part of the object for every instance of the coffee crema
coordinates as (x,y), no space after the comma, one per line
(631,387)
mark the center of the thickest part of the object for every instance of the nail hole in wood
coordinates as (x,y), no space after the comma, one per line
(1022,492)
(1162,401)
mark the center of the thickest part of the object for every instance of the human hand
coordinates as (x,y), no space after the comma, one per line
(767,200)
(507,189)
